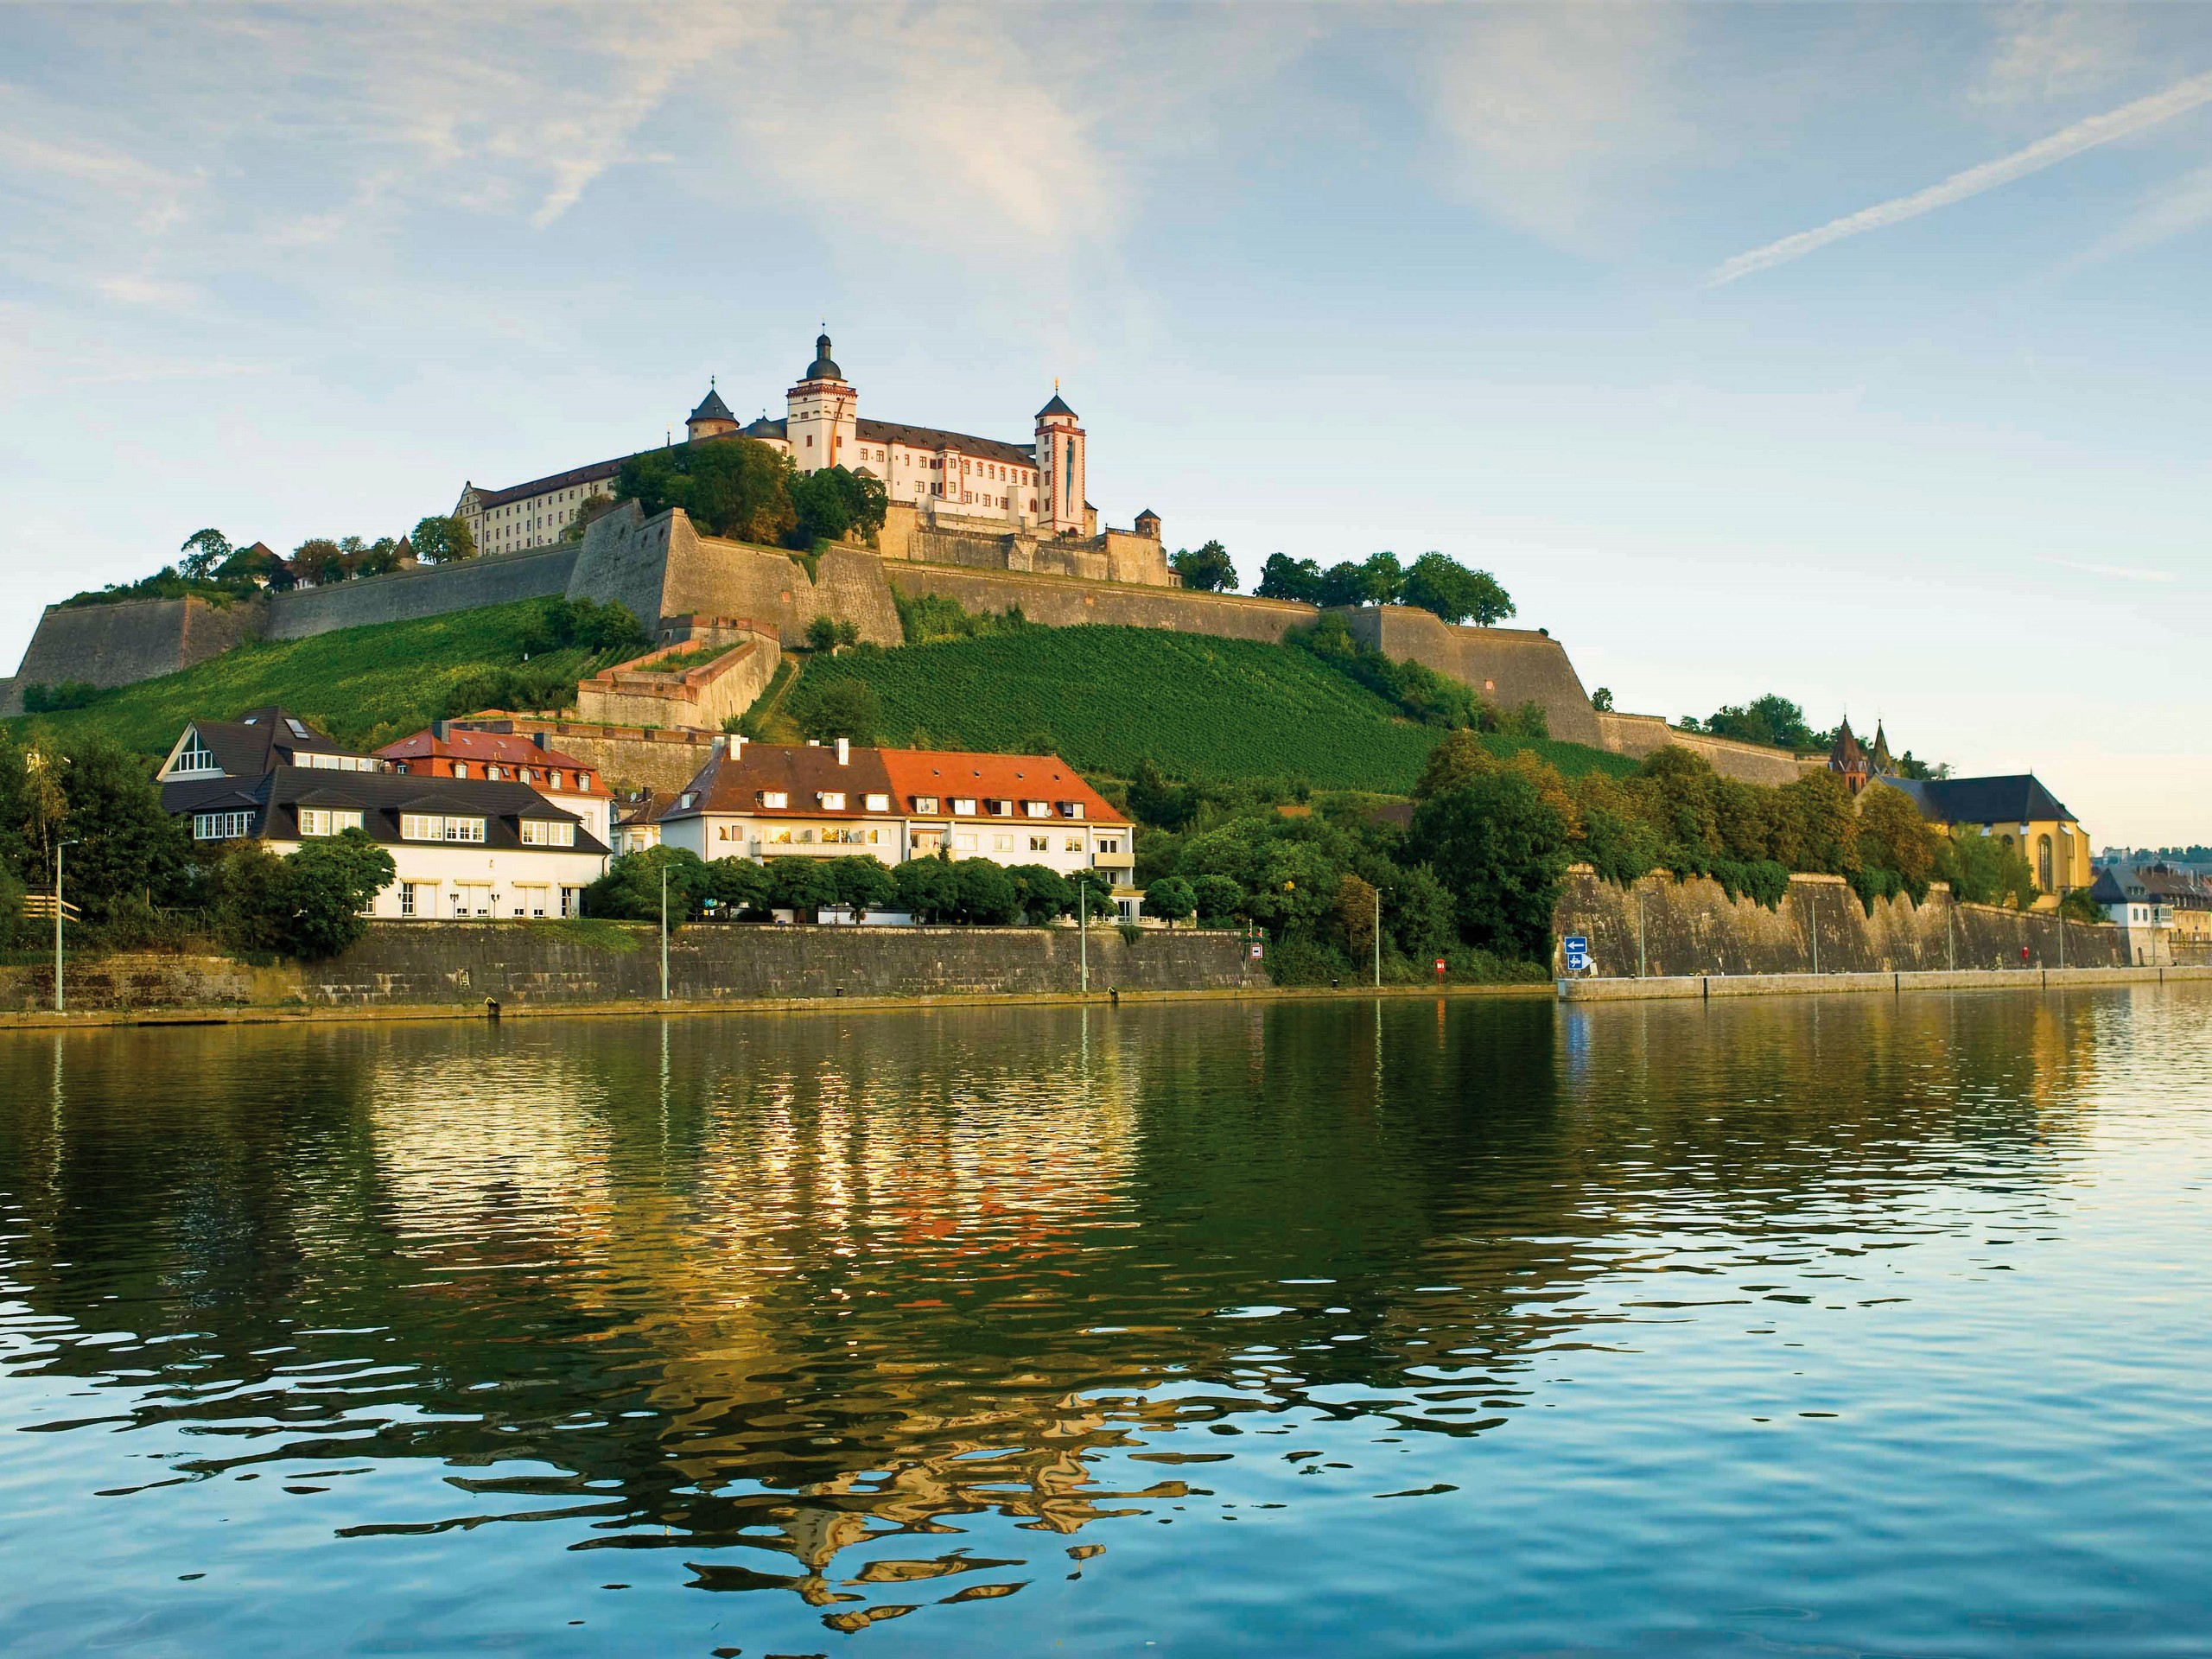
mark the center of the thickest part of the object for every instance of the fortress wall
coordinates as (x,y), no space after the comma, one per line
(628,757)
(121,644)
(1694,927)
(637,694)
(1063,601)
(435,590)
(1751,763)
(1508,666)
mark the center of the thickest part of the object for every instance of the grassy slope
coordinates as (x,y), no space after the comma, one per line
(1201,708)
(348,682)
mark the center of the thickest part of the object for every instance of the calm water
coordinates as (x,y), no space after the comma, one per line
(1794,1327)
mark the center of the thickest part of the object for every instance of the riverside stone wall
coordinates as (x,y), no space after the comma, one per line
(1692,928)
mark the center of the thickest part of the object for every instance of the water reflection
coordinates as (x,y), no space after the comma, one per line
(795,1298)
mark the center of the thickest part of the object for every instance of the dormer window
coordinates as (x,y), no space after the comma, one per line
(1071,809)
(1038,809)
(1000,808)
(683,802)
(197,760)
(775,800)
(832,800)
(924,802)
(964,806)
(879,803)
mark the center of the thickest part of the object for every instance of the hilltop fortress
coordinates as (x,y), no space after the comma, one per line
(990,524)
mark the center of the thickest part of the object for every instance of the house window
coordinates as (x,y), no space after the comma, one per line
(1075,843)
(432,826)
(1109,845)
(963,840)
(1002,844)
(775,800)
(1000,808)
(572,901)
(1036,809)
(832,800)
(461,768)
(197,758)
(880,803)
(547,832)
(924,802)
(964,806)
(407,898)
(1071,809)
(221,826)
(1041,844)
(327,821)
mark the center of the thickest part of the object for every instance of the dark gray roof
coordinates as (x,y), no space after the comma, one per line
(2017,798)
(934,438)
(1058,406)
(824,368)
(261,739)
(278,796)
(767,428)
(711,408)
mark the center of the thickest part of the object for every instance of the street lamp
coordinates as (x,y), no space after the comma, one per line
(59,907)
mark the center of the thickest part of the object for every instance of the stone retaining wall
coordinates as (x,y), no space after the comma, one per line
(432,590)
(121,644)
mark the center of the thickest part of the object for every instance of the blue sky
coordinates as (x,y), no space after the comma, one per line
(1860,354)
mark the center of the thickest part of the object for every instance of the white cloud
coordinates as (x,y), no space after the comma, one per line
(2056,51)
(2175,208)
(1555,109)
(2122,122)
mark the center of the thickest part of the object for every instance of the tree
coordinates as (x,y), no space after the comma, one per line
(737,884)
(1772,720)
(1892,835)
(1602,700)
(822,633)
(1042,892)
(1355,902)
(861,882)
(1218,899)
(1284,577)
(1418,915)
(1170,899)
(927,889)
(326,887)
(629,890)
(736,487)
(803,885)
(380,557)
(1502,850)
(846,708)
(129,853)
(249,566)
(442,539)
(1455,593)
(835,505)
(1098,884)
(588,512)
(320,561)
(1206,571)
(987,897)
(1461,758)
(204,550)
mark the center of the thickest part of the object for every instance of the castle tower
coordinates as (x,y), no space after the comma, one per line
(712,418)
(1847,760)
(1059,467)
(823,415)
(1879,760)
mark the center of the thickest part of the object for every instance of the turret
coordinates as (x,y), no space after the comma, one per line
(1060,466)
(712,418)
(822,420)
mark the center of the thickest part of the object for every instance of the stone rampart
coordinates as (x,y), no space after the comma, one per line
(639,693)
(1508,666)
(434,590)
(917,533)
(627,757)
(121,644)
(1062,602)
(1642,734)
(1694,928)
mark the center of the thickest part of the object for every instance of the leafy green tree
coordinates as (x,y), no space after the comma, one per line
(1091,895)
(862,882)
(247,567)
(1772,720)
(324,888)
(835,505)
(1892,835)
(204,551)
(1418,918)
(734,487)
(822,633)
(1170,898)
(1984,870)
(1455,593)
(380,557)
(988,895)
(803,885)
(589,511)
(1042,893)
(846,708)
(1155,801)
(1284,577)
(1502,850)
(738,884)
(1602,700)
(1217,900)
(629,890)
(442,538)
(131,855)
(928,889)
(318,560)
(1207,571)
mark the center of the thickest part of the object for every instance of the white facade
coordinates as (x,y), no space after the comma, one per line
(1058,844)
(441,882)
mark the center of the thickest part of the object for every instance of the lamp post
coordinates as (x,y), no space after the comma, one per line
(664,931)
(1082,932)
(1378,939)
(58,909)
(1813,908)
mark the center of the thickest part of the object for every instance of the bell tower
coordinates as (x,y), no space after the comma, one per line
(1060,466)
(823,415)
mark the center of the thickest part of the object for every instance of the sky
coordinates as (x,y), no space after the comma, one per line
(1859,353)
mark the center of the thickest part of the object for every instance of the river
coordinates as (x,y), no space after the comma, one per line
(1806,1326)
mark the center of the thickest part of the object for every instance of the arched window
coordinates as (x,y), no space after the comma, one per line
(2043,862)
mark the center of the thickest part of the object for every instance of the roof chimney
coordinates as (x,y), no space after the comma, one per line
(844,751)
(737,746)
(438,731)
(540,739)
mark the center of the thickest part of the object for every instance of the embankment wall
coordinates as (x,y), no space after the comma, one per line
(1642,735)
(1694,928)
(1065,602)
(406,595)
(418,965)
(635,694)
(627,757)
(121,644)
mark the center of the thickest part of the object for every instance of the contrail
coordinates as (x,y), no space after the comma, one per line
(2177,99)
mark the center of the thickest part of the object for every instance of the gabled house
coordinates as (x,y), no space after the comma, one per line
(2015,809)
(442,750)
(462,846)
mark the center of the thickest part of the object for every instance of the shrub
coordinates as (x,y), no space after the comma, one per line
(53,699)
(1170,898)
(1217,900)
(988,896)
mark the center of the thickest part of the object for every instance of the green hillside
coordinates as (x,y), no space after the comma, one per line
(357,683)
(1200,708)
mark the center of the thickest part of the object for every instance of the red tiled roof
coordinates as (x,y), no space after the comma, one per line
(947,772)
(802,773)
(503,748)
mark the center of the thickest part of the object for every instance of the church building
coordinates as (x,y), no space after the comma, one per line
(966,482)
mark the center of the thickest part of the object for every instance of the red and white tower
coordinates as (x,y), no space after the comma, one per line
(822,413)
(1059,467)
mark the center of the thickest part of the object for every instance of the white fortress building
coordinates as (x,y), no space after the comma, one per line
(974,483)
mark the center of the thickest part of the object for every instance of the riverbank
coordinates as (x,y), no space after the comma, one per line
(1707,985)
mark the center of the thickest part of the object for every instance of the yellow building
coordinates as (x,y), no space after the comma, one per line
(2016,810)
